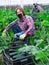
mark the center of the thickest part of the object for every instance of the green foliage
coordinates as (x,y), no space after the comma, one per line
(38,44)
(7,15)
(27,11)
(40,41)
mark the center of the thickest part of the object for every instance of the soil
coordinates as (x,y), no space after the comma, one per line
(1,59)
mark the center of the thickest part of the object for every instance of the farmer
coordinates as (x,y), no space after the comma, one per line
(23,26)
(37,7)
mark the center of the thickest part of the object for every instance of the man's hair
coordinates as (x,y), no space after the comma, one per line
(21,9)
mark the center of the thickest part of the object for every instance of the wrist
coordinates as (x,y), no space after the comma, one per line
(26,33)
(4,31)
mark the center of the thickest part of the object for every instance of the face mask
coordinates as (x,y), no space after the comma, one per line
(19,15)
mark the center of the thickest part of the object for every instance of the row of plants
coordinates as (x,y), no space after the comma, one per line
(7,15)
(41,38)
(38,44)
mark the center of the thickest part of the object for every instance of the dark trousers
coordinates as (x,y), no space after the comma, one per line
(17,30)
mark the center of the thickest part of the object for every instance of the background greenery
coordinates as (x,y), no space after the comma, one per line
(40,40)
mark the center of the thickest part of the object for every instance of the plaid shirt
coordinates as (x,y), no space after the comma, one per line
(26,24)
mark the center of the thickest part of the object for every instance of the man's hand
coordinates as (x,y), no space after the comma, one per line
(22,36)
(4,33)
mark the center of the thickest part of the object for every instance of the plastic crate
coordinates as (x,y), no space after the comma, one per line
(16,59)
(11,57)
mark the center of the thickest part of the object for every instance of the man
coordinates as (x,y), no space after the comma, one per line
(23,26)
(36,9)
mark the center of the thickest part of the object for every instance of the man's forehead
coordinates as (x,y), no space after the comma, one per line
(18,10)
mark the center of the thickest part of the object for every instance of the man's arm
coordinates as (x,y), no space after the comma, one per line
(10,25)
(30,24)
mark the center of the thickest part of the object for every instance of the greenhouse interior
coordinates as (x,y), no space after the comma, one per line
(24,32)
